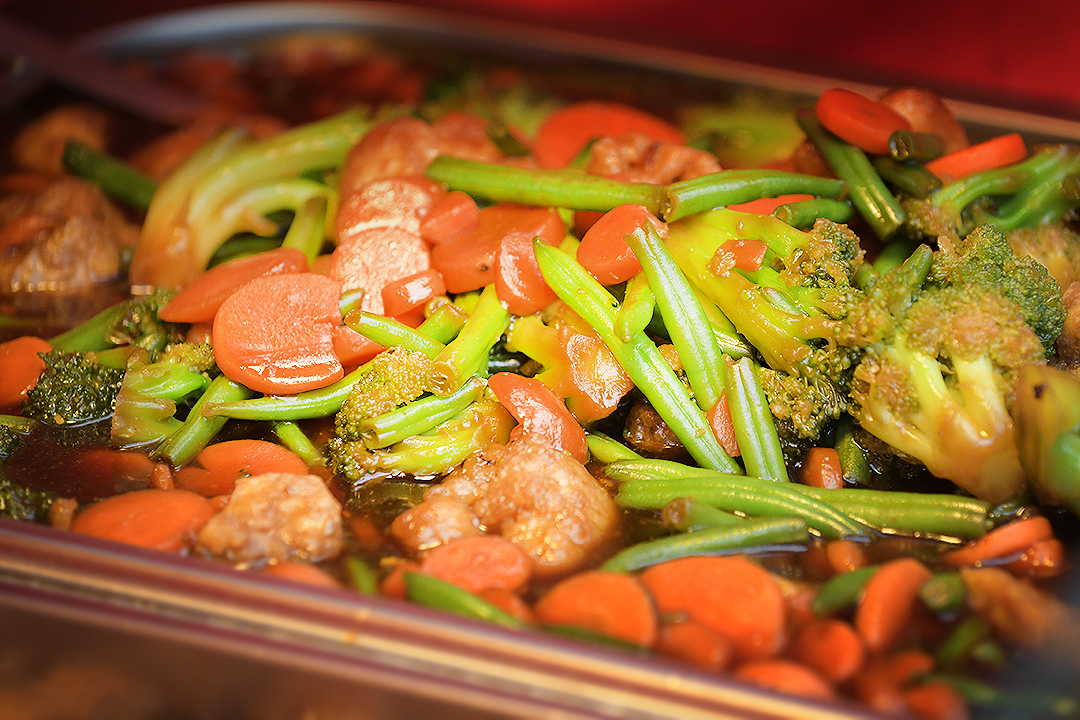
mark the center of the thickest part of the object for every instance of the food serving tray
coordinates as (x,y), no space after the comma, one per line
(179,619)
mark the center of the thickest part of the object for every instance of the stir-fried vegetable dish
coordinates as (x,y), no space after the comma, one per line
(791,395)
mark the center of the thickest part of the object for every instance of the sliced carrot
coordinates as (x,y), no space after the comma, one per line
(371,259)
(401,202)
(454,214)
(888,602)
(509,602)
(1009,539)
(217,467)
(738,254)
(859,120)
(566,131)
(365,531)
(764,206)
(993,153)
(1044,559)
(612,604)
(785,676)
(303,572)
(603,250)
(538,411)
(477,562)
(413,291)
(467,261)
(352,348)
(163,520)
(831,647)
(274,334)
(822,469)
(199,301)
(732,595)
(696,643)
(519,283)
(393,585)
(20,367)
(844,556)
(936,700)
(882,682)
(723,427)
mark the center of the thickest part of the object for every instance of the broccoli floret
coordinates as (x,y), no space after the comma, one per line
(1054,245)
(1026,193)
(152,393)
(18,502)
(393,378)
(75,396)
(140,326)
(985,259)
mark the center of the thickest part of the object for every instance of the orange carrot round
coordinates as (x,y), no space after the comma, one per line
(217,467)
(859,120)
(1009,539)
(519,283)
(20,367)
(1044,559)
(732,595)
(831,647)
(478,562)
(163,520)
(538,411)
(993,153)
(696,643)
(393,584)
(199,301)
(401,201)
(822,468)
(454,214)
(603,250)
(888,602)
(611,604)
(510,603)
(566,131)
(785,676)
(844,556)
(371,259)
(936,701)
(412,291)
(274,333)
(303,572)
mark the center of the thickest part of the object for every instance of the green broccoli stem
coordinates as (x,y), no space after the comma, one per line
(868,193)
(436,453)
(199,429)
(910,177)
(116,178)
(730,187)
(466,355)
(308,228)
(895,254)
(242,245)
(952,515)
(759,532)
(804,213)
(18,423)
(639,357)
(389,332)
(441,595)
(552,188)
(687,514)
(636,311)
(913,145)
(1047,199)
(293,437)
(753,422)
(92,335)
(606,450)
(419,416)
(687,325)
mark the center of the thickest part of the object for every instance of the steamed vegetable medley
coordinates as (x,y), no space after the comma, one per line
(806,413)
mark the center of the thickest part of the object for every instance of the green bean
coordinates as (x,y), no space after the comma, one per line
(506,141)
(389,332)
(688,327)
(440,595)
(730,187)
(639,357)
(552,188)
(910,177)
(198,429)
(913,145)
(957,646)
(841,591)
(944,592)
(867,192)
(711,541)
(751,496)
(804,213)
(116,178)
(360,576)
(444,321)
(293,437)
(755,428)
(467,354)
(686,514)
(308,228)
(853,461)
(91,335)
(418,416)
(606,450)
(636,311)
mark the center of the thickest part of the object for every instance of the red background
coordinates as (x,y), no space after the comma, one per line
(1025,54)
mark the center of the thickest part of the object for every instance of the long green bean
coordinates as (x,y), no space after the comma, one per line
(730,187)
(711,541)
(607,450)
(418,416)
(755,428)
(199,429)
(686,514)
(636,311)
(389,332)
(116,178)
(841,591)
(441,595)
(295,439)
(639,357)
(804,213)
(467,354)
